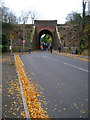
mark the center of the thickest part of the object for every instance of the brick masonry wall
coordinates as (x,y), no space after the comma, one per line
(69,33)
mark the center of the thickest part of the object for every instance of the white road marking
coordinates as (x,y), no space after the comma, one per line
(76,67)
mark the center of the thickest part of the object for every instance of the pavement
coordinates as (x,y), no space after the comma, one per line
(0,86)
(12,106)
(62,80)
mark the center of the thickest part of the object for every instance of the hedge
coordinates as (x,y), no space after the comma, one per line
(3,48)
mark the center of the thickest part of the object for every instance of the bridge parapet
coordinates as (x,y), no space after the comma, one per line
(45,22)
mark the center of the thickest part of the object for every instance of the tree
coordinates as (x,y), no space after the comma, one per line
(69,17)
(4,39)
(47,38)
(77,18)
(27,15)
(34,16)
(5,12)
(74,18)
(24,16)
(12,18)
(87,36)
(7,15)
(84,22)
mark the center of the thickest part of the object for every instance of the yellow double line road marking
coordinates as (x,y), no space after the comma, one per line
(73,57)
(77,58)
(82,59)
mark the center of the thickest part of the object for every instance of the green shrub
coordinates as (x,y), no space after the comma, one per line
(26,48)
(4,39)
(18,48)
(7,26)
(0,48)
(4,48)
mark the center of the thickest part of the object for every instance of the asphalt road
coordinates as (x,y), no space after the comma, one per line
(64,81)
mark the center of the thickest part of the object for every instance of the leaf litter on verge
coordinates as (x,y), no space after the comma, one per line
(31,95)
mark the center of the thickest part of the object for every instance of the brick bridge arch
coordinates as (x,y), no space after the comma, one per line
(44,31)
(45,27)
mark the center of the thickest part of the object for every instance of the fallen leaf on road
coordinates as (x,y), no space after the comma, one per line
(56,105)
(32,73)
(58,89)
(59,111)
(34,106)
(64,108)
(5,105)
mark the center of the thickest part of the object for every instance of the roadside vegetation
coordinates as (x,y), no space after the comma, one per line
(83,21)
(10,20)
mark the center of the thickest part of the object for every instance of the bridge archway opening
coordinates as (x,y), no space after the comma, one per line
(45,39)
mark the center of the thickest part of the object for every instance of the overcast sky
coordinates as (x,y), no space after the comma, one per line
(47,9)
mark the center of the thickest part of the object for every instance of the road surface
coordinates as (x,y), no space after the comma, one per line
(64,82)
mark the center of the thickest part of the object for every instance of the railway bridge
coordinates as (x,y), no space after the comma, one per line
(45,27)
